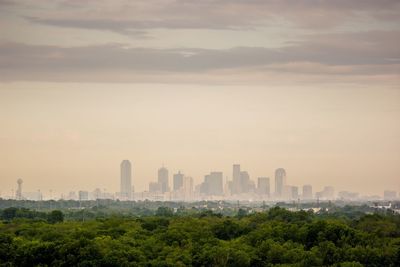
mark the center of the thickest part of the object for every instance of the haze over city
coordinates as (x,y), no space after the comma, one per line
(197,86)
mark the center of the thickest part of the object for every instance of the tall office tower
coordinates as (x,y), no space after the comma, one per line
(163,179)
(244,182)
(280,182)
(19,190)
(178,181)
(204,185)
(236,184)
(213,184)
(187,188)
(126,179)
(307,192)
(263,187)
(216,186)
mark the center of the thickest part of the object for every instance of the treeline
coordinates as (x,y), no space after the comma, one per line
(103,208)
(12,213)
(276,237)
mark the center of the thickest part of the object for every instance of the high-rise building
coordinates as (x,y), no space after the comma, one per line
(178,181)
(263,186)
(244,182)
(236,180)
(294,192)
(163,179)
(187,188)
(307,192)
(126,180)
(280,182)
(213,184)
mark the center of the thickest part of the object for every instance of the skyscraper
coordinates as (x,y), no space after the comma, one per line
(280,182)
(126,180)
(263,186)
(178,181)
(163,179)
(294,192)
(213,184)
(236,181)
(187,188)
(244,182)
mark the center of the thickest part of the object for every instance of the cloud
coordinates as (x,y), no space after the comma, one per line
(369,53)
(131,16)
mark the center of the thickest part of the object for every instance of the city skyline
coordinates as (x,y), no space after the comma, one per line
(213,187)
(197,85)
(200,132)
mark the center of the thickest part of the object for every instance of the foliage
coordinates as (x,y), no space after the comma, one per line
(277,237)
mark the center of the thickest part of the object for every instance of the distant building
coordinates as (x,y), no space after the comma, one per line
(126,180)
(244,182)
(83,195)
(280,182)
(307,192)
(294,192)
(236,180)
(187,188)
(241,182)
(178,181)
(35,196)
(346,195)
(97,194)
(389,195)
(163,179)
(155,187)
(263,186)
(213,184)
(328,193)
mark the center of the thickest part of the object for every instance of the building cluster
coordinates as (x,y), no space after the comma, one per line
(239,187)
(213,187)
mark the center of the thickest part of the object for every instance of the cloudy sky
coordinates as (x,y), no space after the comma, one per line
(311,86)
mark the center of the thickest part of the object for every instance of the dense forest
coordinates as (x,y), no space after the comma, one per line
(275,237)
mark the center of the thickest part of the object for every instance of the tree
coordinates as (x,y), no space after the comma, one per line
(164,211)
(9,213)
(55,216)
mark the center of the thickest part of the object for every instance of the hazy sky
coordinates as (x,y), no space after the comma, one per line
(310,86)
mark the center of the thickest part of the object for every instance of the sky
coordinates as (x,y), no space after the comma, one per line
(311,86)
